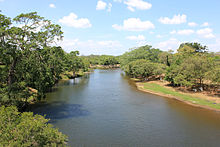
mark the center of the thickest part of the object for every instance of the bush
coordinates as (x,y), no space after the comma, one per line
(26,129)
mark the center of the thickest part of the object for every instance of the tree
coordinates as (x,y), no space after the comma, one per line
(192,71)
(144,52)
(166,57)
(26,129)
(107,60)
(26,55)
(143,69)
(194,47)
(74,63)
(214,70)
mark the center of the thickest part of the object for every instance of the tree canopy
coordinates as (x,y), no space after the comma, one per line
(190,66)
(26,129)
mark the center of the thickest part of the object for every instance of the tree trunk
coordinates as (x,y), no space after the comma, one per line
(12,72)
(74,74)
(168,63)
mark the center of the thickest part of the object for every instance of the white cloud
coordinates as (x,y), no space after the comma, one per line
(136,38)
(173,32)
(205,33)
(134,24)
(205,24)
(192,24)
(138,4)
(72,20)
(159,36)
(142,43)
(109,7)
(110,47)
(177,19)
(215,47)
(1,0)
(101,5)
(185,32)
(171,44)
(117,1)
(52,6)
(140,39)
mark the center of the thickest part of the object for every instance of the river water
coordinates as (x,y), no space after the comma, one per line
(104,108)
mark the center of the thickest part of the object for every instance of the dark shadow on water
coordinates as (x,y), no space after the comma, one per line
(59,110)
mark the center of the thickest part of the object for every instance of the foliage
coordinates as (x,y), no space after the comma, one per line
(26,129)
(192,47)
(144,52)
(191,70)
(74,63)
(190,66)
(28,59)
(143,69)
(102,60)
(107,60)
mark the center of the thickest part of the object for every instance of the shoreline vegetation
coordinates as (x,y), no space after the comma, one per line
(68,75)
(161,88)
(191,75)
(105,66)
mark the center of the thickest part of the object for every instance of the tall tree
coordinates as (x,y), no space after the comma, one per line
(23,45)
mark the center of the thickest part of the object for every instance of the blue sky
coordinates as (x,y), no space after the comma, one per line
(115,26)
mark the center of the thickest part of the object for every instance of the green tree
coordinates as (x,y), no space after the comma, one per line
(144,52)
(27,57)
(26,129)
(107,60)
(143,69)
(74,62)
(192,71)
(194,47)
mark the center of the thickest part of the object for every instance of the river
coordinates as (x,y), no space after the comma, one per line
(104,108)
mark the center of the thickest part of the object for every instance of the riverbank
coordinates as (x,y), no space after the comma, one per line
(105,66)
(194,99)
(69,75)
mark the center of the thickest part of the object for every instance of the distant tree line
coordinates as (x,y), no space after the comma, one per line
(191,66)
(102,59)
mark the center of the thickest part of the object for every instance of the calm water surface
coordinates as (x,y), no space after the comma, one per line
(105,109)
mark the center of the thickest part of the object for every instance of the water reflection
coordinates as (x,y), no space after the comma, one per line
(60,110)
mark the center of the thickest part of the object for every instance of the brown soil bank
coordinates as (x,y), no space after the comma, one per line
(194,99)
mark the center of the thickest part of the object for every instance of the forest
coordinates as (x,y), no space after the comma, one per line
(192,66)
(31,64)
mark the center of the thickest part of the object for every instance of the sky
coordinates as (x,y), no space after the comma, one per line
(115,26)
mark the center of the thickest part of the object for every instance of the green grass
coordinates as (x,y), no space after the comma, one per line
(160,89)
(2,66)
(136,80)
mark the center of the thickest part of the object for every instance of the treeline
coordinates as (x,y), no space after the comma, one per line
(104,60)
(30,64)
(191,66)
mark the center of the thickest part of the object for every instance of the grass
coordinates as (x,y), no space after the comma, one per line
(136,80)
(194,100)
(2,66)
